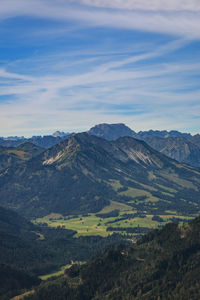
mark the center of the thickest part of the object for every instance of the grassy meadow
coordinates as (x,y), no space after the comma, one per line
(92,224)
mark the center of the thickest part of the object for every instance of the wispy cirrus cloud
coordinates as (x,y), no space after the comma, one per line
(114,61)
(177,17)
(130,89)
(151,5)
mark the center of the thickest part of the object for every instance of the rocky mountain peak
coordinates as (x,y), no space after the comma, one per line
(111,131)
(60,134)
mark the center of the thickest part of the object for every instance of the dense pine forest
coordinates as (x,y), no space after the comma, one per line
(27,251)
(165,264)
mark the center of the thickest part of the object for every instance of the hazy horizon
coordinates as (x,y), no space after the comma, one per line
(51,132)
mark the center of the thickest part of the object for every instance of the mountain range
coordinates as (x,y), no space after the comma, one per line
(182,147)
(84,173)
(46,141)
(111,175)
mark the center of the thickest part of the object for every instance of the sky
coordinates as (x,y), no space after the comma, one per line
(70,64)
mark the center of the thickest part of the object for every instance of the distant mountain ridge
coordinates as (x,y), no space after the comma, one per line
(163,134)
(114,131)
(182,147)
(46,141)
(60,134)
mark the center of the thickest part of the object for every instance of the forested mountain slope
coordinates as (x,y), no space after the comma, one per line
(27,251)
(84,173)
(13,156)
(165,264)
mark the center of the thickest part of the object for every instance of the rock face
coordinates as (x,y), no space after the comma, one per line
(84,173)
(111,132)
(60,134)
(162,134)
(196,140)
(182,147)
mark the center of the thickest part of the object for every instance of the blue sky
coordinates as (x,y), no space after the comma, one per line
(69,65)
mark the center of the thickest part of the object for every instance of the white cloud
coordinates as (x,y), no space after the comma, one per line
(99,73)
(151,5)
(181,18)
(8,75)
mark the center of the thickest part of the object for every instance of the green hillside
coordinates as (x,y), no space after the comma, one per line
(165,264)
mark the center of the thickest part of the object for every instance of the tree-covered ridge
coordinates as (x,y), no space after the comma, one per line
(10,156)
(83,174)
(14,280)
(165,264)
(27,251)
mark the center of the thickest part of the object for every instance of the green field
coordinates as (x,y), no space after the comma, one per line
(92,225)
(116,205)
